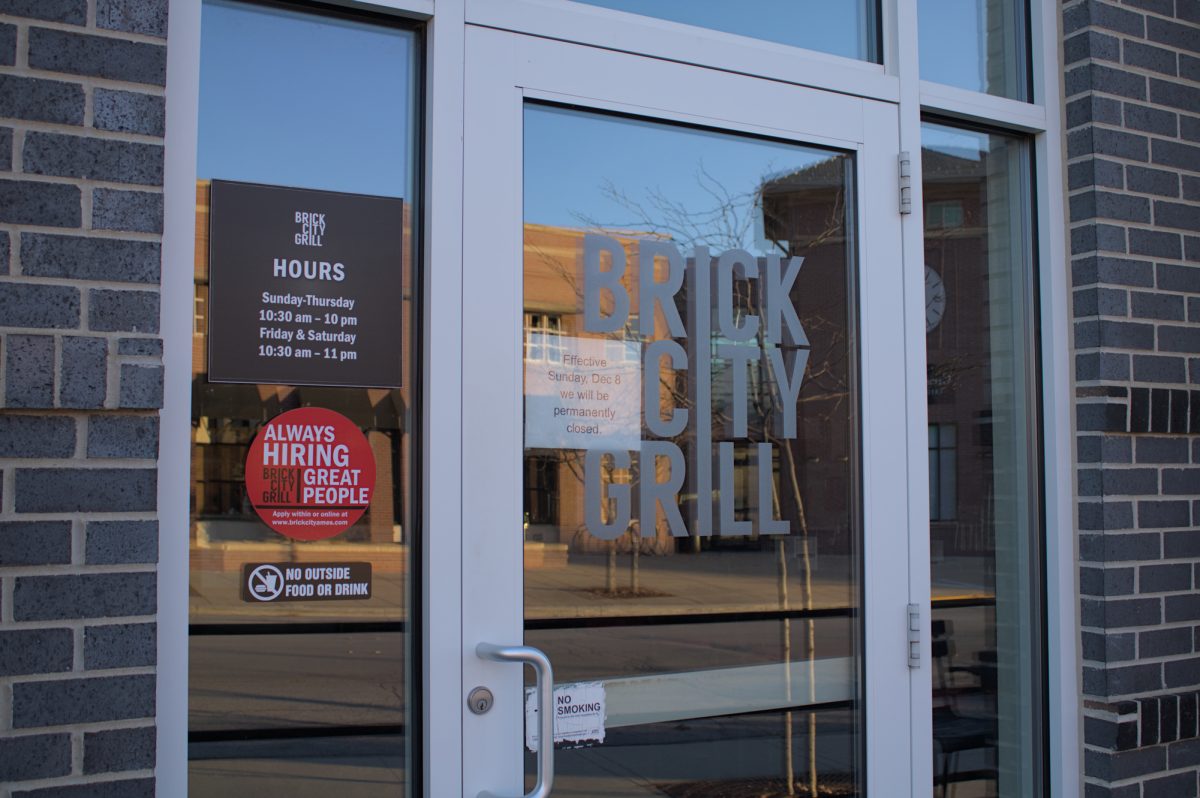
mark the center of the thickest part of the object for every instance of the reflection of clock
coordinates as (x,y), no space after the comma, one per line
(935,299)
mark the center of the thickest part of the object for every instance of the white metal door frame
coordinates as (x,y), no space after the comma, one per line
(503,70)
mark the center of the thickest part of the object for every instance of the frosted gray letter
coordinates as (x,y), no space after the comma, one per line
(664,293)
(726,318)
(593,495)
(781,313)
(652,491)
(700,386)
(788,385)
(597,280)
(768,524)
(728,498)
(651,381)
(739,358)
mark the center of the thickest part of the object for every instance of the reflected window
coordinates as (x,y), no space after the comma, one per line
(542,338)
(541,492)
(943,214)
(943,483)
(199,316)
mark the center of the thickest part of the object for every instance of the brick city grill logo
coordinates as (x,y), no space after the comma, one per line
(311,231)
(773,335)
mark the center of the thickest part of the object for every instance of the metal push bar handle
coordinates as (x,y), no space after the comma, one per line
(544,687)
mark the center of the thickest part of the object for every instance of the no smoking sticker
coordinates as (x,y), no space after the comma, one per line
(579,715)
(310,473)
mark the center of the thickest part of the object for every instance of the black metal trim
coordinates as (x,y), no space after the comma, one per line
(319,628)
(292,733)
(542,624)
(956,603)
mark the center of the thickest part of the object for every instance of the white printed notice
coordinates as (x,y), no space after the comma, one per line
(583,393)
(578,714)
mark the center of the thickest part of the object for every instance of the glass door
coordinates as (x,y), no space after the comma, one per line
(684,430)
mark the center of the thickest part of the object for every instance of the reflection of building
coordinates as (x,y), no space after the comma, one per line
(960,357)
(553,482)
(965,362)
(805,215)
(225,531)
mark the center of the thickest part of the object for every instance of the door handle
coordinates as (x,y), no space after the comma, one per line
(544,688)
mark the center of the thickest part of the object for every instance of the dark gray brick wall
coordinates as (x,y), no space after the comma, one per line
(119,645)
(120,749)
(81,217)
(1133,116)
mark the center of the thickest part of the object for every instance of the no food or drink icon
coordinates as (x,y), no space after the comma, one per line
(271,582)
(265,583)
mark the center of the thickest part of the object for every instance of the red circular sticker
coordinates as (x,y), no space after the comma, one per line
(310,473)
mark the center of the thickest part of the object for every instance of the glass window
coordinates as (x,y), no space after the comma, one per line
(986,533)
(943,484)
(299,679)
(542,335)
(847,27)
(691,454)
(979,45)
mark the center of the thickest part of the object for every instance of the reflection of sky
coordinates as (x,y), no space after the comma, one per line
(966,144)
(666,170)
(831,26)
(953,47)
(300,100)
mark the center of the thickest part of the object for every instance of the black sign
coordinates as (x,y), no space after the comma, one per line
(269,582)
(305,287)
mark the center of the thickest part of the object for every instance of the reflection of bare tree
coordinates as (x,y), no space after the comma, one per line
(729,221)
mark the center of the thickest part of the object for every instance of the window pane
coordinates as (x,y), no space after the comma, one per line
(986,534)
(846,27)
(974,44)
(701,440)
(265,672)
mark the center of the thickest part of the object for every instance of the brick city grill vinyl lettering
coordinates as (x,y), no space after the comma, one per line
(580,397)
(305,286)
(288,581)
(310,473)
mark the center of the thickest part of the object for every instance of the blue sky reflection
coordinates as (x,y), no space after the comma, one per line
(839,27)
(303,100)
(588,170)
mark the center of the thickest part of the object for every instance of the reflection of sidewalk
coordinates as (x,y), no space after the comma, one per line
(229,555)
(685,584)
(360,767)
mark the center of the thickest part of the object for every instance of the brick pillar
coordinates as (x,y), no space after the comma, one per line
(1133,116)
(81,126)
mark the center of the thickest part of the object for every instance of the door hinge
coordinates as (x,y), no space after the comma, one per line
(914,635)
(905,163)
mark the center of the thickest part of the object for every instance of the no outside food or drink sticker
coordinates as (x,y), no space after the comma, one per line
(283,581)
(310,473)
